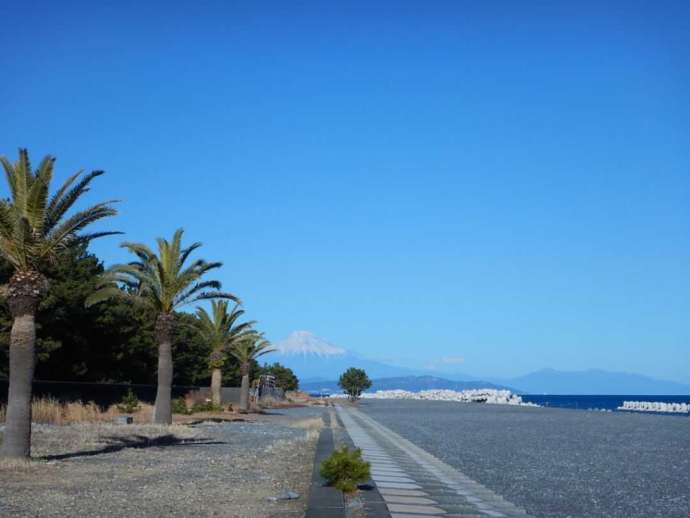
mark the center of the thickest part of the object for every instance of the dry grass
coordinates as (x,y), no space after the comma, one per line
(14,465)
(312,425)
(51,411)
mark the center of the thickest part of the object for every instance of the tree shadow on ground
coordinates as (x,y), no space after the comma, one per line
(115,444)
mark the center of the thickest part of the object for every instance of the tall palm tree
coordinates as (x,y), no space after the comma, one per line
(221,330)
(163,281)
(34,231)
(249,348)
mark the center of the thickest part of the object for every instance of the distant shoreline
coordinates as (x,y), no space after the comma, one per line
(600,402)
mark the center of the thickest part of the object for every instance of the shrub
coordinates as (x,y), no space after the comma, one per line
(129,403)
(206,406)
(179,406)
(354,382)
(285,377)
(345,468)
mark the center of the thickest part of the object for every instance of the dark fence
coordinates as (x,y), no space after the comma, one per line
(270,393)
(106,394)
(230,395)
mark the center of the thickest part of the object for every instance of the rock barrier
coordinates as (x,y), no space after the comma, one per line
(655,406)
(489,396)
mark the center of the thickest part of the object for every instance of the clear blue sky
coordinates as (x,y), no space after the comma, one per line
(508,182)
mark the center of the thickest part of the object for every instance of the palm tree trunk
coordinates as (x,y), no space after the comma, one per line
(162,413)
(17,437)
(216,381)
(244,389)
(25,290)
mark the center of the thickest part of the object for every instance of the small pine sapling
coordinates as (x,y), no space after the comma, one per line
(345,468)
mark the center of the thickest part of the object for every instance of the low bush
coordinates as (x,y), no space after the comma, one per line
(345,468)
(206,406)
(129,403)
(179,406)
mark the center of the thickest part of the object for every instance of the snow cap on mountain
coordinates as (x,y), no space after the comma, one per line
(306,343)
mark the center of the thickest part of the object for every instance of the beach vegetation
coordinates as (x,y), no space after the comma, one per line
(179,406)
(35,231)
(246,350)
(285,377)
(129,403)
(165,281)
(354,381)
(345,468)
(221,330)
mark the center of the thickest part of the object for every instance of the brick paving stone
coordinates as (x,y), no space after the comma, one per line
(415,500)
(423,485)
(388,478)
(424,510)
(402,492)
(397,485)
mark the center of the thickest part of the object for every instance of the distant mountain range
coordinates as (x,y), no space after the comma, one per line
(319,363)
(594,381)
(313,358)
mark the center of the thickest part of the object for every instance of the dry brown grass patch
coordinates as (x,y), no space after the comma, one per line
(18,465)
(51,411)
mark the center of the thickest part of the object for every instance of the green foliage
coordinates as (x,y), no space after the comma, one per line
(190,353)
(285,378)
(206,406)
(179,406)
(251,347)
(129,403)
(112,342)
(232,372)
(345,468)
(161,279)
(34,227)
(221,330)
(354,382)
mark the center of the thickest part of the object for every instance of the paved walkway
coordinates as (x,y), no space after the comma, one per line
(414,483)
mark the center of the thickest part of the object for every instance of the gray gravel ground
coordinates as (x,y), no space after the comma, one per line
(224,470)
(556,462)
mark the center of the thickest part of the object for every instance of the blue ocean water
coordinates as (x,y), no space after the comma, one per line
(598,402)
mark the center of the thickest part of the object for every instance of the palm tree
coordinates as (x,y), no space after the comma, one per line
(222,332)
(164,282)
(34,231)
(249,348)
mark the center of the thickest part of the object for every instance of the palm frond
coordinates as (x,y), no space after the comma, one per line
(61,235)
(37,197)
(210,295)
(32,229)
(104,293)
(163,279)
(61,202)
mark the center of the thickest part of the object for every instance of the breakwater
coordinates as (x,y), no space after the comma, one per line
(489,396)
(655,406)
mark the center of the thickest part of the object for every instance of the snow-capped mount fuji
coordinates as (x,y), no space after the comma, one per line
(313,359)
(305,343)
